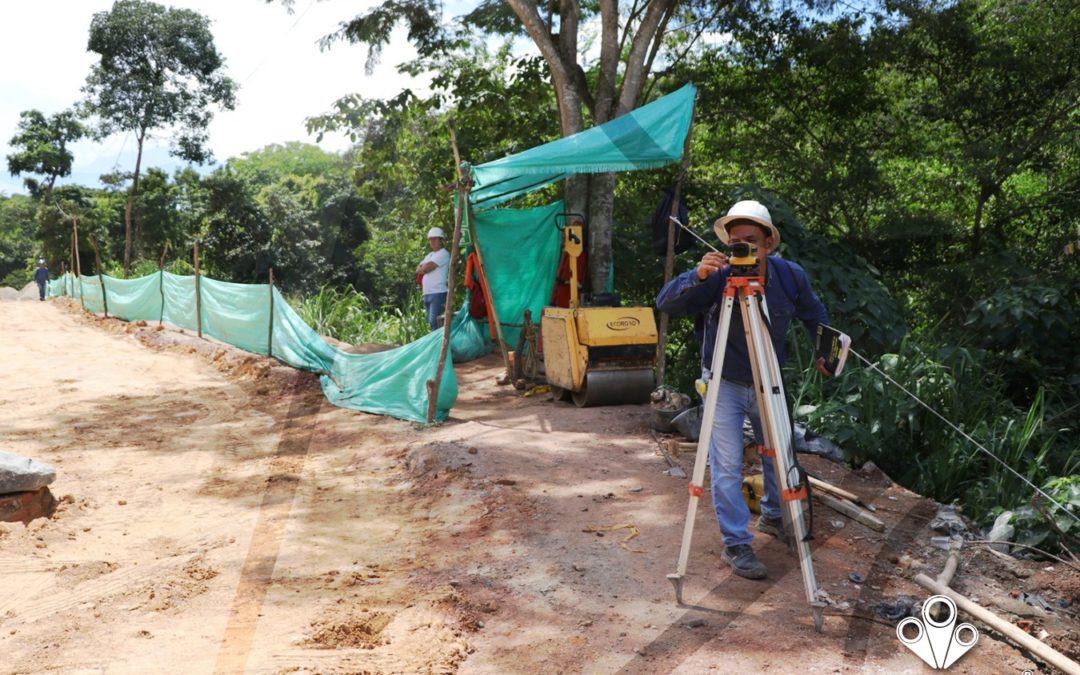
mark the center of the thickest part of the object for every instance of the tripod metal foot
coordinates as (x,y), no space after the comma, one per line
(676,581)
(818,609)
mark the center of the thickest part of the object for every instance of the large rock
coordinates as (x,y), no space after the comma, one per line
(22,474)
(22,507)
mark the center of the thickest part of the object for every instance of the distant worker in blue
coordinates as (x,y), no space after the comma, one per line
(433,270)
(41,276)
(787,296)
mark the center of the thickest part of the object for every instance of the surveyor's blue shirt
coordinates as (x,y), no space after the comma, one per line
(41,275)
(686,295)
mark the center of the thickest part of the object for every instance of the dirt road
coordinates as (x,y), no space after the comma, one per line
(218,516)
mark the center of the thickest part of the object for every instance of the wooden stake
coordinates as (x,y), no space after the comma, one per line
(270,332)
(448,314)
(78,264)
(851,511)
(198,292)
(669,257)
(161,281)
(101,277)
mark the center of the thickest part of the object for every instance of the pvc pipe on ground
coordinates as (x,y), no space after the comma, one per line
(1036,647)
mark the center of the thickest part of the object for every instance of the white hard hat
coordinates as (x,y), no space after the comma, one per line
(750,210)
(436,232)
(41,261)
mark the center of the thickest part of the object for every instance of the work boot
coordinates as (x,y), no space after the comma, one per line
(773,526)
(743,561)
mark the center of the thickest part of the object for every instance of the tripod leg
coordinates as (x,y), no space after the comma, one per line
(776,427)
(701,459)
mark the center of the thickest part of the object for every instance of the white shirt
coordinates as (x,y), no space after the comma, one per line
(435,280)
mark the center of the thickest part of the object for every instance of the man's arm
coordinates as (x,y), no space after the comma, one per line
(425,267)
(693,292)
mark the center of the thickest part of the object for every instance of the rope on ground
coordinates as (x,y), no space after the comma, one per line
(611,528)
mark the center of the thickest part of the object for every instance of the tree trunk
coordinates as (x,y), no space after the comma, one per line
(131,205)
(976,230)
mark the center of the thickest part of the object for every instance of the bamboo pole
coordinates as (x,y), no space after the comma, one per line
(101,277)
(198,292)
(669,257)
(63,276)
(270,331)
(78,264)
(455,253)
(1025,641)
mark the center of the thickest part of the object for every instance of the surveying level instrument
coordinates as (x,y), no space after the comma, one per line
(746,284)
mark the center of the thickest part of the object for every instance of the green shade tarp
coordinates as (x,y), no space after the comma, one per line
(649,137)
(521,250)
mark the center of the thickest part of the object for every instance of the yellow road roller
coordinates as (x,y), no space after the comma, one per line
(597,355)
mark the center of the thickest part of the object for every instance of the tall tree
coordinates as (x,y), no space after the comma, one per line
(41,145)
(632,42)
(159,69)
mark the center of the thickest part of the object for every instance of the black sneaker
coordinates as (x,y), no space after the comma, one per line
(743,561)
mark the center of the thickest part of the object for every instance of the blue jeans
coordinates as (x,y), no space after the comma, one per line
(734,403)
(434,305)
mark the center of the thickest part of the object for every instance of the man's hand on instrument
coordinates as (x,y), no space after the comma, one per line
(711,263)
(820,365)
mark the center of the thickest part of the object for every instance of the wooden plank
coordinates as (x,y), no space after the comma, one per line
(851,511)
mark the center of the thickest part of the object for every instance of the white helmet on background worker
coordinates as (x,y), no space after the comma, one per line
(41,261)
(436,232)
(746,210)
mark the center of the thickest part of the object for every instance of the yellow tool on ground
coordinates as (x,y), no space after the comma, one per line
(598,355)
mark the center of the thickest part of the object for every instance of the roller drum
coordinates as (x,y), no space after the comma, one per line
(615,387)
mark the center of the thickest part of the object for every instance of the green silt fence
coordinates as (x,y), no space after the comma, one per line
(386,383)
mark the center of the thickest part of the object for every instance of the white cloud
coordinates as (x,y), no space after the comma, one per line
(272,54)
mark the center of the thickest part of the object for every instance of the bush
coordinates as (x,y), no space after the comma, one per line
(349,316)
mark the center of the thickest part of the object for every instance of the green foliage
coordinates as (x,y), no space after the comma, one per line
(1052,524)
(349,316)
(18,248)
(41,146)
(1030,331)
(874,420)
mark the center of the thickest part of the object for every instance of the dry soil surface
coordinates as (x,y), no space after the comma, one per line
(217,516)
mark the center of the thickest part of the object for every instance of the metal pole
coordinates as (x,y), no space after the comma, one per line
(198,293)
(669,257)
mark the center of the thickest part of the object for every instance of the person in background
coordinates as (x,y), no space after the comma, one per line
(788,296)
(41,276)
(433,272)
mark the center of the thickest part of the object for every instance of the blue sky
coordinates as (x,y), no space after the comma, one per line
(272,54)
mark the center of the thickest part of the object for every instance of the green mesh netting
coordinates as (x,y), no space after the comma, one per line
(391,383)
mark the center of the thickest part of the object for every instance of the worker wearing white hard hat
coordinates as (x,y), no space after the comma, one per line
(432,274)
(699,292)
